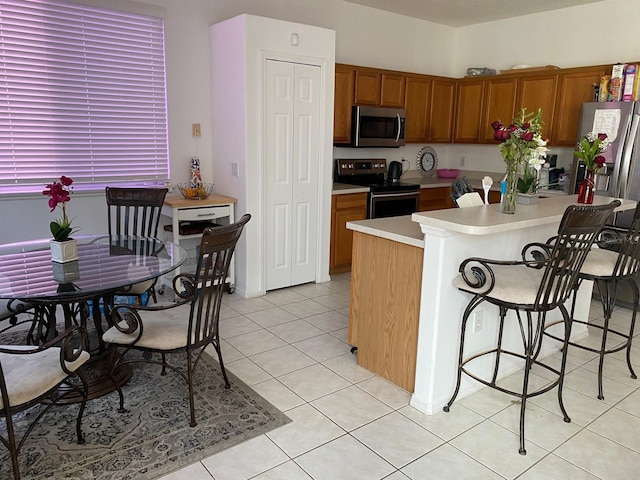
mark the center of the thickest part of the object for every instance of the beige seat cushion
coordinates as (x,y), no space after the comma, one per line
(161,332)
(600,263)
(29,376)
(137,288)
(514,284)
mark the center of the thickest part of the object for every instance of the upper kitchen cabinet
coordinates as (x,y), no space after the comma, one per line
(499,104)
(379,88)
(481,101)
(539,91)
(575,88)
(418,96)
(344,87)
(392,90)
(442,110)
(367,86)
(469,108)
(429,104)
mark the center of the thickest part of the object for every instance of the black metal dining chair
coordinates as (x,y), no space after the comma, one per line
(144,328)
(31,375)
(611,266)
(541,282)
(135,211)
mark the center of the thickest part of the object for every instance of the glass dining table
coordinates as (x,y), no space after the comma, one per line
(83,289)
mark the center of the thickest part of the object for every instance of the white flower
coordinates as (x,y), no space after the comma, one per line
(536,162)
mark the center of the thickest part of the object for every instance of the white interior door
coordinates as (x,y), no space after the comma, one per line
(292,113)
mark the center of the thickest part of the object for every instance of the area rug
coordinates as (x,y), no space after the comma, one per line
(152,438)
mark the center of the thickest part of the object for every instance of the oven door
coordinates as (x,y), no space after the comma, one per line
(392,204)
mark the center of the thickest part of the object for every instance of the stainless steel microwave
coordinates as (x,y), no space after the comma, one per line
(378,127)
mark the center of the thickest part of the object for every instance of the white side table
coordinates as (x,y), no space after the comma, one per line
(185,220)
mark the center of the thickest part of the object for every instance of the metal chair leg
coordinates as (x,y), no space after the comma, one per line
(475,301)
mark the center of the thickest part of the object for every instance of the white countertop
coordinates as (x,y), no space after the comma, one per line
(488,219)
(398,229)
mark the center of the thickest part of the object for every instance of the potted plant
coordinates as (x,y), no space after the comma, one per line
(63,247)
(529,183)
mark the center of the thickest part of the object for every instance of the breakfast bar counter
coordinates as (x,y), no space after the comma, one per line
(449,237)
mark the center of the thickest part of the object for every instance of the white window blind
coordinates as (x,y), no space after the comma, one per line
(82,94)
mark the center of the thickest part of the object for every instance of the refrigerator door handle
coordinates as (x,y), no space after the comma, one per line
(625,164)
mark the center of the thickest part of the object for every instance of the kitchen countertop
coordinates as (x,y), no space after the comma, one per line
(488,219)
(399,229)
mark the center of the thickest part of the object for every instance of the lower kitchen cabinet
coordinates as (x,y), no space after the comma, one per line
(435,199)
(345,208)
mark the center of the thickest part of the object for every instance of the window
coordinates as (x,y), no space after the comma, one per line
(82,94)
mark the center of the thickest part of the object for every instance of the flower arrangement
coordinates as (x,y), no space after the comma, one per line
(58,193)
(522,147)
(590,149)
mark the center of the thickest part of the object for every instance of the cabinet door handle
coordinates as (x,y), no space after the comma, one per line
(205,214)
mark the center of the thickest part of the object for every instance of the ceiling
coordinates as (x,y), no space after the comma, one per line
(458,13)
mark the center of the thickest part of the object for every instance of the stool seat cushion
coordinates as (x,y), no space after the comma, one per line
(601,263)
(515,284)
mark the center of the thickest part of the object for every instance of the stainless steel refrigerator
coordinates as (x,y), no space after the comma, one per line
(621,177)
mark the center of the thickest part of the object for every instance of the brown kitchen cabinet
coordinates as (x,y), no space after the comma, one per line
(469,108)
(575,87)
(539,91)
(499,104)
(379,88)
(392,90)
(343,102)
(417,98)
(367,86)
(345,208)
(441,110)
(436,198)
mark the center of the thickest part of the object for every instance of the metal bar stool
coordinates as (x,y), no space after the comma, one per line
(616,261)
(541,282)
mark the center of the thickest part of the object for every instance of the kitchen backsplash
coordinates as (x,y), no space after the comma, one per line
(476,157)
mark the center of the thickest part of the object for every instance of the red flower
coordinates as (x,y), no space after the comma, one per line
(599,160)
(602,136)
(527,136)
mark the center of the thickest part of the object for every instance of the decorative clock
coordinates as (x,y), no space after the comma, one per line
(427,161)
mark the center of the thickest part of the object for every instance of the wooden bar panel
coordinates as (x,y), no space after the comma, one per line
(386,281)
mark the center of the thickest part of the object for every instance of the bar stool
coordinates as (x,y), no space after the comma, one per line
(539,283)
(615,262)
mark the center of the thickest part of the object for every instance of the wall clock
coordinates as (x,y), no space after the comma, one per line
(427,161)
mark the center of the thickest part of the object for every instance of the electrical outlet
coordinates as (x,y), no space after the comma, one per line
(195,130)
(478,318)
(235,169)
(463,160)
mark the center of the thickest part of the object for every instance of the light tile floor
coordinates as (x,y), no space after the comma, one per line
(347,423)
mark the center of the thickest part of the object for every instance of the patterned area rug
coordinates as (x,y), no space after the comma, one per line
(153,437)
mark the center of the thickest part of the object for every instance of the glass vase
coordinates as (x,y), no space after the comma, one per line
(587,187)
(510,196)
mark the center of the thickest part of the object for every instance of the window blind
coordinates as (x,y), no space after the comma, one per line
(82,94)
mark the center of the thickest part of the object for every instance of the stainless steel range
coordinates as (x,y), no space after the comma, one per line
(386,199)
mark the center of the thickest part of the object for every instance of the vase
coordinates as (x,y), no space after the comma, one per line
(510,195)
(66,251)
(587,187)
